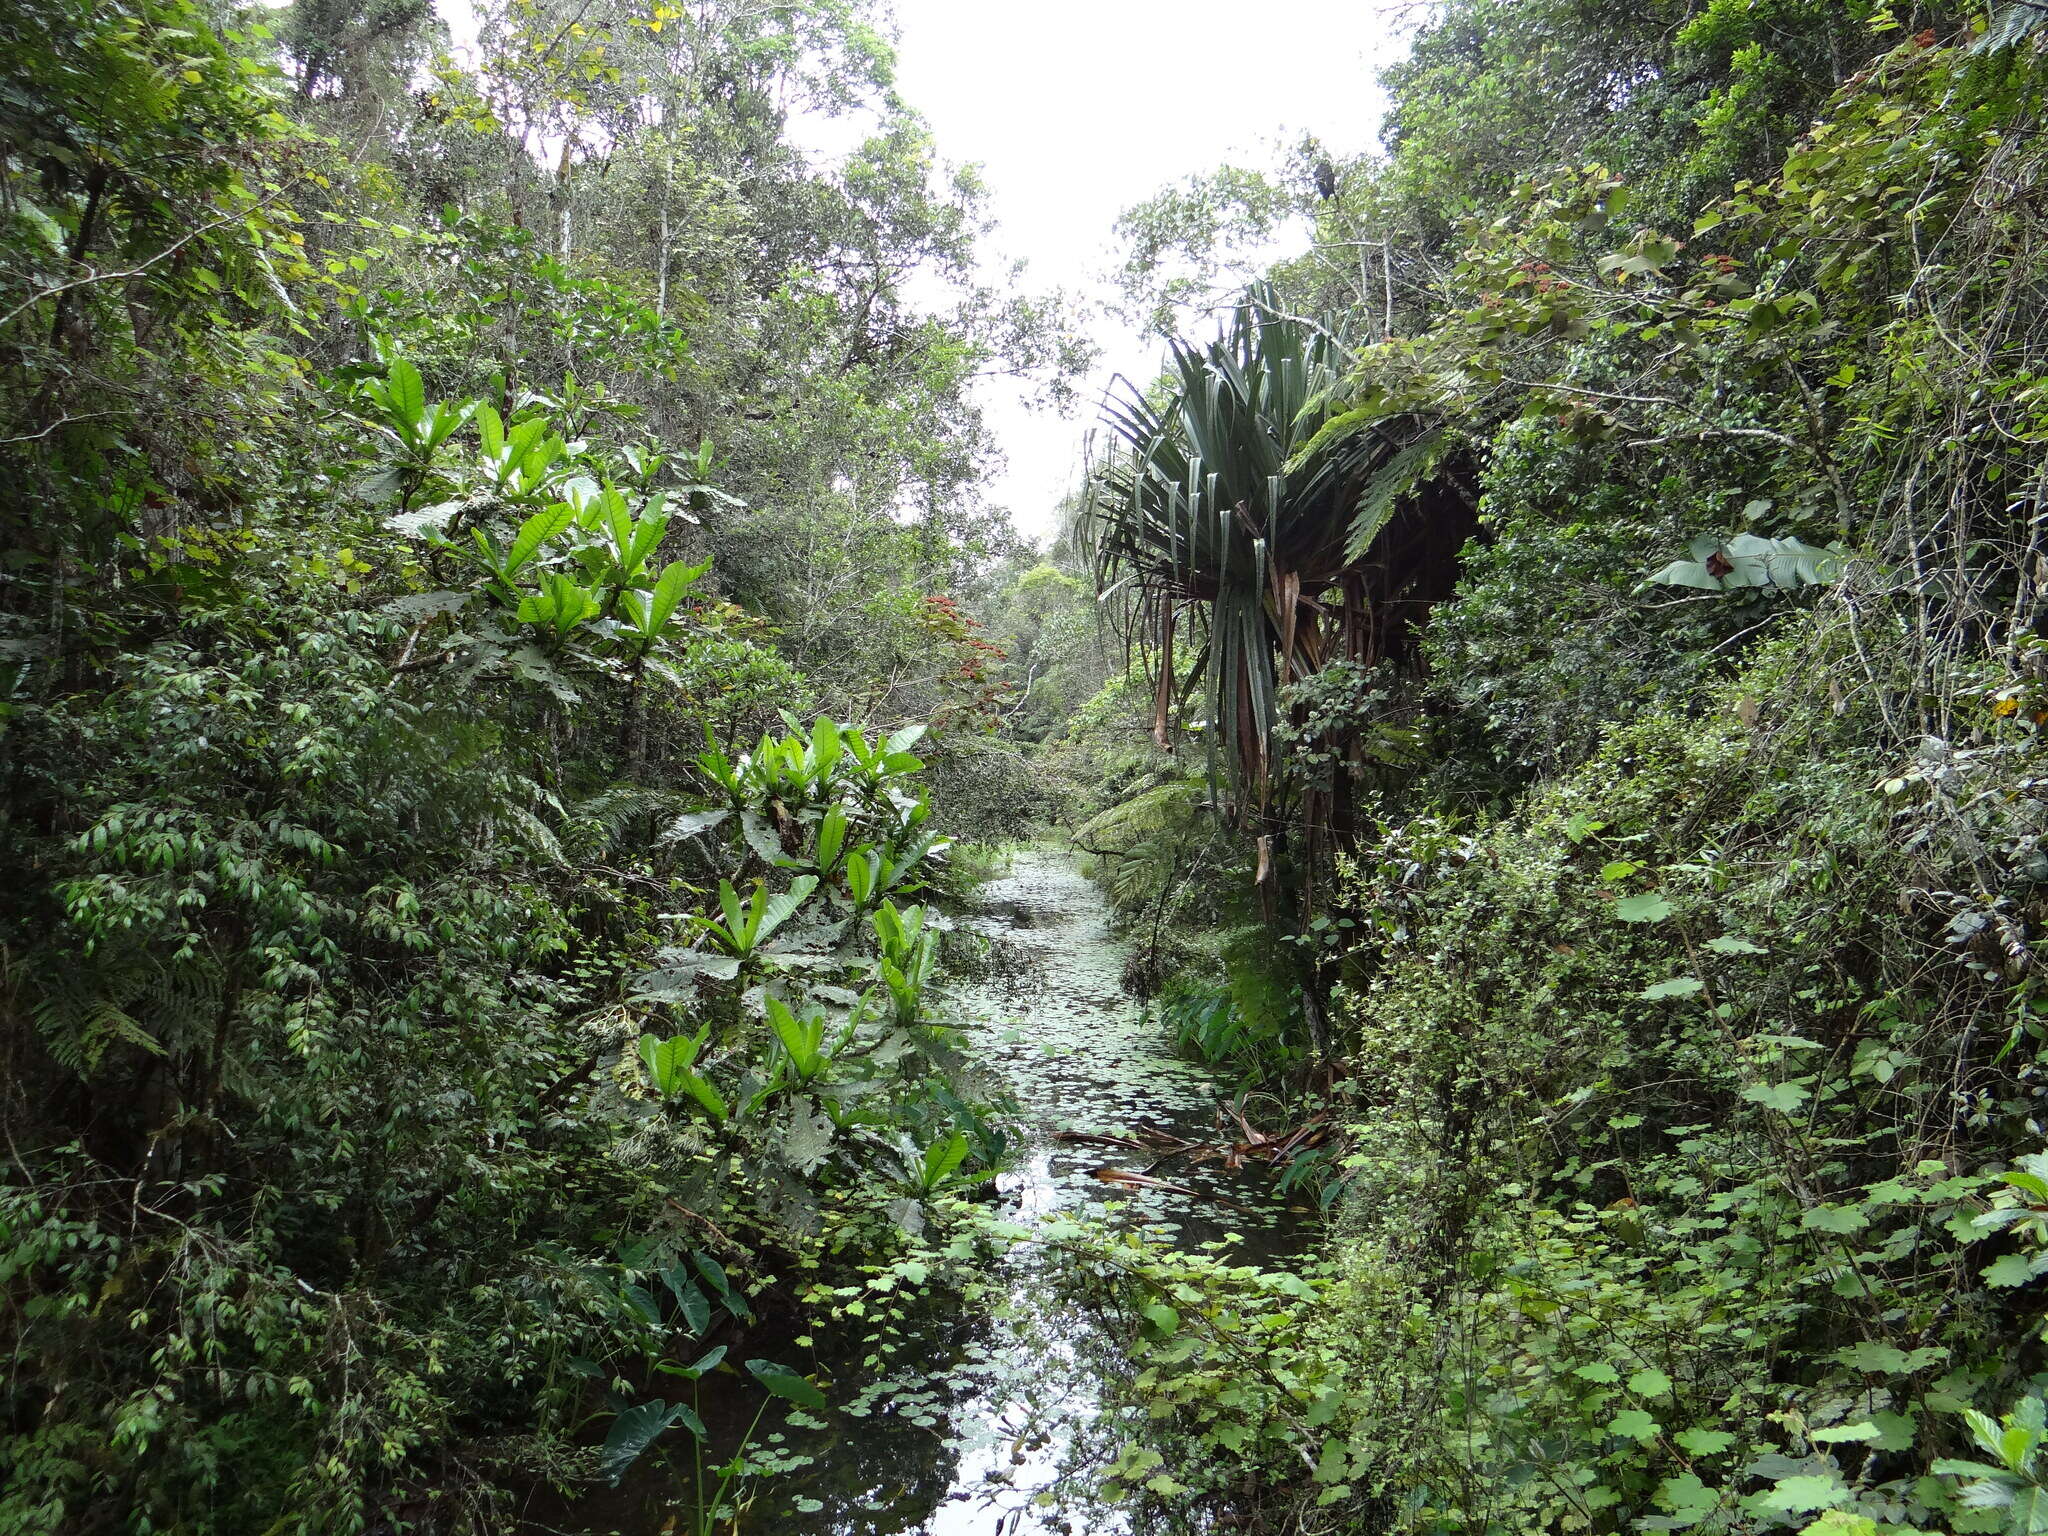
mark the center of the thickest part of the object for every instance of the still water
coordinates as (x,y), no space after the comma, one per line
(988,1424)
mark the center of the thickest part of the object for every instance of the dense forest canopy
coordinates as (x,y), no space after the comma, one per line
(513,685)
(441,502)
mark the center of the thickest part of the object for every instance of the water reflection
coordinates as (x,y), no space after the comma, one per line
(990,1427)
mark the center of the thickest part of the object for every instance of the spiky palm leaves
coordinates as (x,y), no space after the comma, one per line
(1248,512)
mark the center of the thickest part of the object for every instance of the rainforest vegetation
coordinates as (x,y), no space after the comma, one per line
(509,675)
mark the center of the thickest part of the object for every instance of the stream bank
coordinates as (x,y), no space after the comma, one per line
(993,1417)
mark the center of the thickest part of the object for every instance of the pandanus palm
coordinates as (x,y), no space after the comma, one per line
(1248,514)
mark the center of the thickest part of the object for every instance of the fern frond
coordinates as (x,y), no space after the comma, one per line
(182,1001)
(538,837)
(609,816)
(1164,807)
(79,1027)
(1383,492)
(1139,840)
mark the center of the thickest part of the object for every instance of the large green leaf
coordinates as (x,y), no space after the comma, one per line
(405,392)
(761,837)
(826,748)
(940,1160)
(786,1384)
(676,579)
(668,1060)
(636,1429)
(1785,1098)
(1677,986)
(708,1098)
(783,906)
(905,739)
(801,1038)
(536,531)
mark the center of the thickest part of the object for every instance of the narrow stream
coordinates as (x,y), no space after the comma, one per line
(986,1427)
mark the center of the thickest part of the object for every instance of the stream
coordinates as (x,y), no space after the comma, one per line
(986,1427)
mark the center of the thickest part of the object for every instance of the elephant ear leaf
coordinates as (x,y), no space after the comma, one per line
(715,1276)
(690,1297)
(786,1384)
(636,1429)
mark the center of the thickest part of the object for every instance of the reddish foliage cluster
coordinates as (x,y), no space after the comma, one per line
(974,661)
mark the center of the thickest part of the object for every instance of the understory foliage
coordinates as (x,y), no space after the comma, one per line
(1688,983)
(451,991)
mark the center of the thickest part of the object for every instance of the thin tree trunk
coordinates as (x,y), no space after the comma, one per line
(95,187)
(636,724)
(1387,280)
(668,176)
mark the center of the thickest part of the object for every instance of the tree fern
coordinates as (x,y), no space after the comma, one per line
(1139,842)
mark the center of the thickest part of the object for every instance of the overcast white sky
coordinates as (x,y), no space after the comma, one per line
(1077,109)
